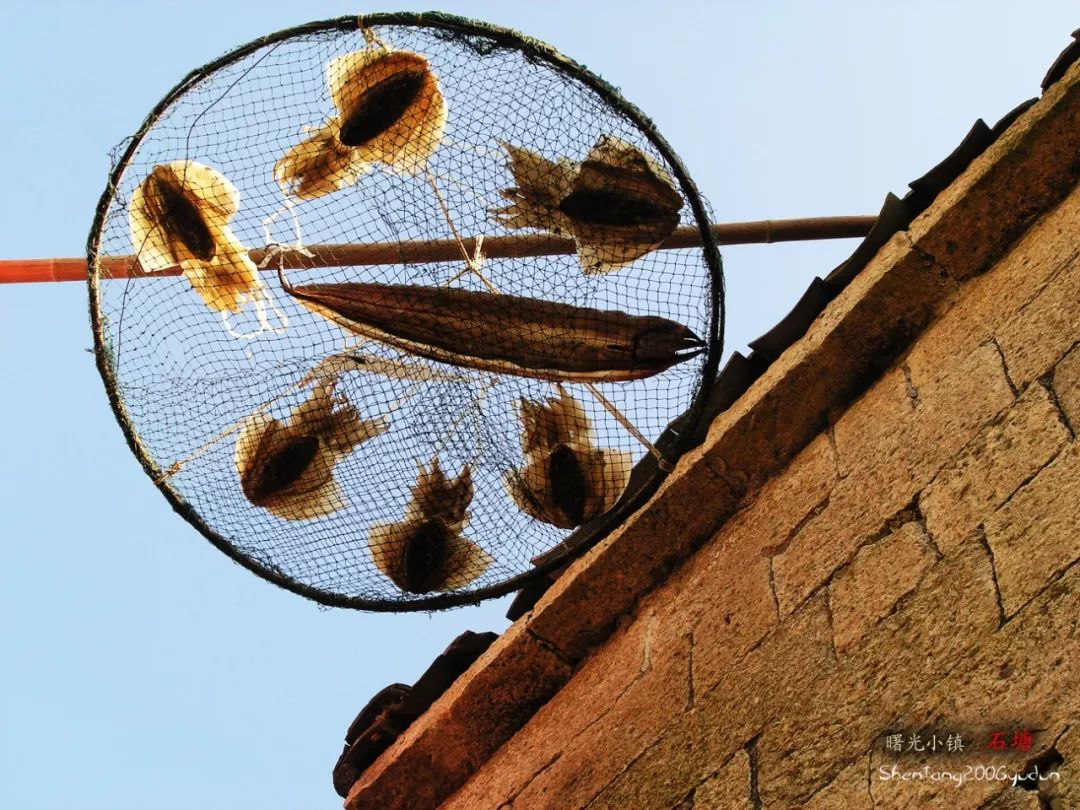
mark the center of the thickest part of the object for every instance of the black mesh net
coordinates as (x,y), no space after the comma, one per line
(386,414)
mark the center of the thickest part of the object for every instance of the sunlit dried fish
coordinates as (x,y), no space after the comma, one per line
(288,468)
(622,206)
(618,204)
(179,216)
(390,110)
(426,551)
(505,334)
(567,480)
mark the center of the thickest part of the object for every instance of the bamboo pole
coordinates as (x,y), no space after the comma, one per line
(14,271)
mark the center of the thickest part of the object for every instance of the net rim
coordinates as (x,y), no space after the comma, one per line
(566,551)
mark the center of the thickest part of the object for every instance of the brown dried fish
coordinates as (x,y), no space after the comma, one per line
(505,334)
(288,468)
(567,480)
(618,204)
(179,216)
(390,110)
(426,551)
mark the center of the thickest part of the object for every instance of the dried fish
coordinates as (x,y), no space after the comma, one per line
(618,204)
(390,110)
(567,480)
(505,334)
(288,468)
(426,551)
(179,216)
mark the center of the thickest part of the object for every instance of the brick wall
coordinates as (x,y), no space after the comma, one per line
(911,570)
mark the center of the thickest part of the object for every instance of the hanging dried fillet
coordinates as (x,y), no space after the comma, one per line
(618,204)
(567,480)
(505,334)
(179,216)
(288,468)
(390,110)
(426,551)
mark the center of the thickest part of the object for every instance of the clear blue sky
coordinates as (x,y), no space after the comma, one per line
(141,668)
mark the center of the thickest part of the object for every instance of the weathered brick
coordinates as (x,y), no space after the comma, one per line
(848,791)
(1041,333)
(464,727)
(596,686)
(735,707)
(745,611)
(728,789)
(723,595)
(865,591)
(828,540)
(786,500)
(1067,387)
(662,776)
(1031,166)
(891,443)
(983,305)
(633,722)
(725,586)
(872,434)
(991,467)
(952,403)
(771,678)
(1034,535)
(861,502)
(847,707)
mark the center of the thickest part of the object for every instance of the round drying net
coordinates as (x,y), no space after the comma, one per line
(391,308)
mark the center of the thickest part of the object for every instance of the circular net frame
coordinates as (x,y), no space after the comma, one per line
(183,383)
